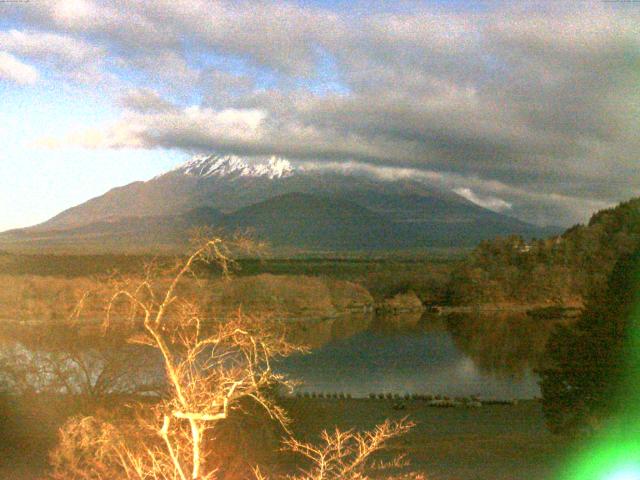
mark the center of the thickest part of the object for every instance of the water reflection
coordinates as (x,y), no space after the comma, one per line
(503,344)
(318,333)
(55,359)
(487,354)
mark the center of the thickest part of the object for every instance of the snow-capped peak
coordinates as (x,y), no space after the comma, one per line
(274,168)
(231,165)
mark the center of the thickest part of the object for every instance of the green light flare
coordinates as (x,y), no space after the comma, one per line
(614,454)
(607,459)
(629,472)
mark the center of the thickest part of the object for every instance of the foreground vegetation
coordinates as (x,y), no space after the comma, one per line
(182,421)
(500,442)
(48,288)
(35,298)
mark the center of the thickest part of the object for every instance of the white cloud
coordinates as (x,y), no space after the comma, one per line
(530,106)
(377,171)
(73,12)
(13,70)
(74,59)
(44,45)
(492,203)
(224,128)
(145,100)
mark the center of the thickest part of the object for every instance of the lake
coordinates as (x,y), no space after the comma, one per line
(492,355)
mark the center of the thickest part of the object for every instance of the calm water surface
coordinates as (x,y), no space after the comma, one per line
(490,355)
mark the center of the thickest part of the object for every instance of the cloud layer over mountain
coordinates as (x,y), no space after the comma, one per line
(530,107)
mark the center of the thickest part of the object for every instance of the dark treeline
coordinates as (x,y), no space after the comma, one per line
(75,265)
(562,269)
(71,266)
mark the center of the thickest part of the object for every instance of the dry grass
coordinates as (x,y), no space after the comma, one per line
(29,297)
(290,296)
(38,298)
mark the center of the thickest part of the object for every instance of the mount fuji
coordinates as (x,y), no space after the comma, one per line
(293,207)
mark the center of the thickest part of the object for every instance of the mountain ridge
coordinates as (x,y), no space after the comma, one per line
(404,213)
(232,165)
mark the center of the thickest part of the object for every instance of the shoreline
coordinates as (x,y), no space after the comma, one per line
(563,310)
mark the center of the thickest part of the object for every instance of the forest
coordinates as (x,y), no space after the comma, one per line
(560,270)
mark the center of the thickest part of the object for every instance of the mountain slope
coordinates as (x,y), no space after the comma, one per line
(126,234)
(293,207)
(224,183)
(229,183)
(310,221)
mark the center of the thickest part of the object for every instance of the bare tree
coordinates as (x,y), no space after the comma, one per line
(347,455)
(212,366)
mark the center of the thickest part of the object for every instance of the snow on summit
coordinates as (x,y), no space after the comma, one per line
(234,166)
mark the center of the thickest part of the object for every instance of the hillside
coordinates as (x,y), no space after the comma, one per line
(127,234)
(311,221)
(558,270)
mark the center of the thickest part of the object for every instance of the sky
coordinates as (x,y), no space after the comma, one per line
(529,107)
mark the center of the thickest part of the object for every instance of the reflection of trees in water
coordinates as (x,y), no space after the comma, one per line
(76,360)
(70,359)
(80,360)
(405,322)
(505,344)
(320,332)
(317,333)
